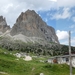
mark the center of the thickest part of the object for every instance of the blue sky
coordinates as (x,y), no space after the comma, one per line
(59,14)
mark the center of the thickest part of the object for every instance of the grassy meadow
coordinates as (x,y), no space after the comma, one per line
(9,65)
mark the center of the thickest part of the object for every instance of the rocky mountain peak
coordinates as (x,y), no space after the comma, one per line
(2,21)
(3,25)
(28,15)
(30,12)
(30,24)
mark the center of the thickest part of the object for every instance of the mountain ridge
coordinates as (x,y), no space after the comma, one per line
(30,24)
(29,28)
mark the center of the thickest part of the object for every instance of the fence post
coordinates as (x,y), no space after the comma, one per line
(70,53)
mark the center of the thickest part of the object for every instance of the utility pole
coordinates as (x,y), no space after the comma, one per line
(70,53)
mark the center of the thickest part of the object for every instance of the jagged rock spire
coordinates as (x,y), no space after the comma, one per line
(3,25)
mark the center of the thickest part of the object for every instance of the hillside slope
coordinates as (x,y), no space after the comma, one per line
(9,65)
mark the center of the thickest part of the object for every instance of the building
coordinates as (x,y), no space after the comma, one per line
(62,59)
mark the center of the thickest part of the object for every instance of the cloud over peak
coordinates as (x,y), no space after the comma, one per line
(62,35)
(63,15)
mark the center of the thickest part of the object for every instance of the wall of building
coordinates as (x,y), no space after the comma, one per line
(62,60)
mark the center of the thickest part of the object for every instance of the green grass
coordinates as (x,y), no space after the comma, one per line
(11,66)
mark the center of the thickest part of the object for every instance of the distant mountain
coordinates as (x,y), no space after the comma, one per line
(3,25)
(30,25)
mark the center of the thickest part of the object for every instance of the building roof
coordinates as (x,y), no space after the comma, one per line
(62,56)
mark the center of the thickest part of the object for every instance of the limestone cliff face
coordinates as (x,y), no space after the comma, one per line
(3,25)
(30,24)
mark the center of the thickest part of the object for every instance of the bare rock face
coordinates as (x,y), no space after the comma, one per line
(3,25)
(30,24)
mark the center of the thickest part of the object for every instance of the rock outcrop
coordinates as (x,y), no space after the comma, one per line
(3,25)
(30,24)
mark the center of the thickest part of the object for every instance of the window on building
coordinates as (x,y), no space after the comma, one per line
(67,59)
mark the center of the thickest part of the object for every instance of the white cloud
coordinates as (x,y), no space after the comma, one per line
(62,35)
(66,41)
(63,15)
(53,0)
(6,8)
(65,3)
(31,4)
